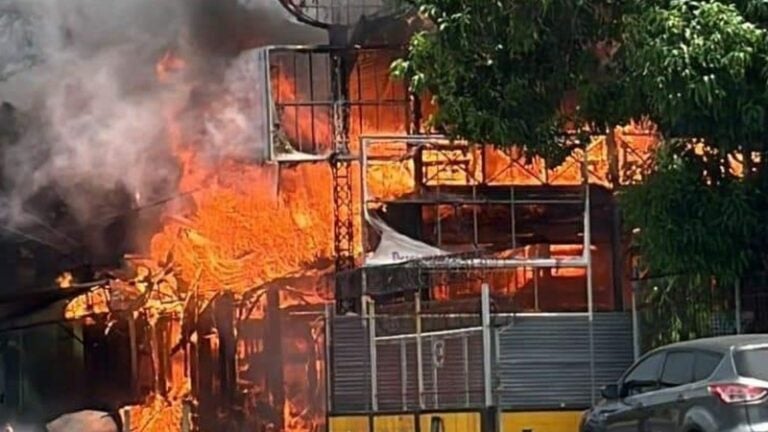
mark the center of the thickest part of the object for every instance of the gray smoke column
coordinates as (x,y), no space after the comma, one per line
(97,111)
(85,72)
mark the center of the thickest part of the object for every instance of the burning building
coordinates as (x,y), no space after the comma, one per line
(279,221)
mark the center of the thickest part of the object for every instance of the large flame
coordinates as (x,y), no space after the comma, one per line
(239,225)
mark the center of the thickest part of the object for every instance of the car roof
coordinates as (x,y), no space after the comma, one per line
(720,343)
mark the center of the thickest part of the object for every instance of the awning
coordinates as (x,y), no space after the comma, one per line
(396,247)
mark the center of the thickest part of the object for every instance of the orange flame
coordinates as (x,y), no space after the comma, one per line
(242,225)
(168,64)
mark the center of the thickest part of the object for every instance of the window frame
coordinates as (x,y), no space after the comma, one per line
(690,351)
(660,367)
(705,352)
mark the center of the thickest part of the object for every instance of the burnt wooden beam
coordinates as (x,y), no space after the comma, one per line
(273,350)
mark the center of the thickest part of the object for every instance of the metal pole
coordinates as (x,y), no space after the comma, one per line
(590,293)
(435,387)
(485,298)
(269,107)
(419,352)
(363,196)
(328,357)
(635,323)
(476,238)
(635,284)
(439,222)
(465,357)
(512,221)
(404,373)
(371,312)
(737,305)
(535,289)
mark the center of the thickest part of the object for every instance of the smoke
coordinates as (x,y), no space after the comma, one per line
(96,130)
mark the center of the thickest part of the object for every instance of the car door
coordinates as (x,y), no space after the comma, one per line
(667,405)
(630,413)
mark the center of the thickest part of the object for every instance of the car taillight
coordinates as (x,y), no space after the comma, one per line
(737,393)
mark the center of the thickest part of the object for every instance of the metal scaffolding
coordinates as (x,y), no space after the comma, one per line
(373,148)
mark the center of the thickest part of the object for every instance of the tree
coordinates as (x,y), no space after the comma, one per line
(501,70)
(701,69)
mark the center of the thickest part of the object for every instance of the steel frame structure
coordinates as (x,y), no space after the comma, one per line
(344,107)
(458,263)
(421,142)
(328,13)
(338,17)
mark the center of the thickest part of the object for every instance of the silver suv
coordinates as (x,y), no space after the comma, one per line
(706,385)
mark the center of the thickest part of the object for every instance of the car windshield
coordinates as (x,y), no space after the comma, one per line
(752,363)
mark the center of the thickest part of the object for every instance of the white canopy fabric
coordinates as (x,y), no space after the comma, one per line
(396,247)
(83,421)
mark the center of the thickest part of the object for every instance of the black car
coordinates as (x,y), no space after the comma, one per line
(706,385)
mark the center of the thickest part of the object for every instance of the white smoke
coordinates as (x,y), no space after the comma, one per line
(98,112)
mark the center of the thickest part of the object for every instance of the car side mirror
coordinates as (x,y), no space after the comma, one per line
(610,392)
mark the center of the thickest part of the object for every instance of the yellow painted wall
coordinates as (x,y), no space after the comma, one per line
(394,423)
(453,422)
(348,424)
(552,421)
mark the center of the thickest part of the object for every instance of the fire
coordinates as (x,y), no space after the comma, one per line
(168,64)
(240,225)
(65,280)
(244,233)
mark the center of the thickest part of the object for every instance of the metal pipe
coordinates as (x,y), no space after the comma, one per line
(328,356)
(454,200)
(435,387)
(635,323)
(590,294)
(474,217)
(326,48)
(404,374)
(268,105)
(371,316)
(535,289)
(458,263)
(312,98)
(737,305)
(465,357)
(485,299)
(438,219)
(512,220)
(364,188)
(429,334)
(370,309)
(419,351)
(469,315)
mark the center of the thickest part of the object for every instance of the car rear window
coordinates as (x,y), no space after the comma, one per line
(752,363)
(705,365)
